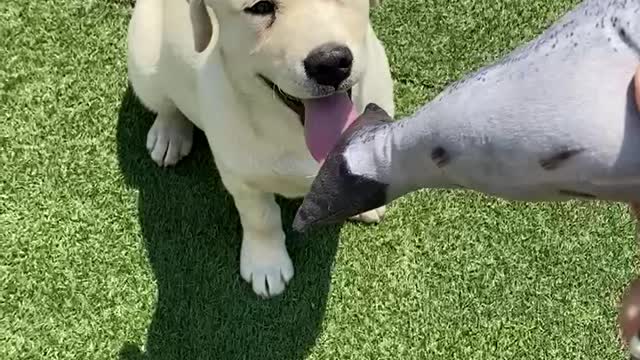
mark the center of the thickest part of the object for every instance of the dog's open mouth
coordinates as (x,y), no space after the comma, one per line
(324,119)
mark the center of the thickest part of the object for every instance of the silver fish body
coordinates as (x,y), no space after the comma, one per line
(554,120)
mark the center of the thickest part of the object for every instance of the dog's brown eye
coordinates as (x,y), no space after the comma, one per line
(262,8)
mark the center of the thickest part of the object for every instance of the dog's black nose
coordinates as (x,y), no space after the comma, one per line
(329,64)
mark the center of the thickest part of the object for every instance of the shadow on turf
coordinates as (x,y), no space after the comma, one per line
(192,237)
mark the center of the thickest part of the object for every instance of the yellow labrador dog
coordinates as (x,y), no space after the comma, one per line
(272,83)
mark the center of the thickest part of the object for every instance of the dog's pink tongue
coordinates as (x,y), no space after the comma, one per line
(325,119)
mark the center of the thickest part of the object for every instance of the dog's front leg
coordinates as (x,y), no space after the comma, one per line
(264,261)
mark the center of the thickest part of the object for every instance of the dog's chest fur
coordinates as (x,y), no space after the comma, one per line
(259,140)
(275,158)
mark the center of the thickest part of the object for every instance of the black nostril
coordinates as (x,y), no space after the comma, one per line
(329,64)
(345,61)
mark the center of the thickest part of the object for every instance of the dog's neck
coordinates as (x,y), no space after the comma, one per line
(239,81)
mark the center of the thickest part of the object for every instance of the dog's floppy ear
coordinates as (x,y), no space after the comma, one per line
(201,23)
(374,3)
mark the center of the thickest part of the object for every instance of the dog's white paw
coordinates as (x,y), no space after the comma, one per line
(266,265)
(170,139)
(372,216)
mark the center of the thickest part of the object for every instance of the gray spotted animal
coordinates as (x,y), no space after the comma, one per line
(554,120)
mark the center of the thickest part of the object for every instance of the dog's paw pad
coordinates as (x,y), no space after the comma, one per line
(266,266)
(372,216)
(170,139)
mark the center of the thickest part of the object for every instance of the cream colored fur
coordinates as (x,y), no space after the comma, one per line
(194,69)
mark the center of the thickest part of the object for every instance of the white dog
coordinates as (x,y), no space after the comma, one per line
(271,84)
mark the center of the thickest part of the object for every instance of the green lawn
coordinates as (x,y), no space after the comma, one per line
(106,256)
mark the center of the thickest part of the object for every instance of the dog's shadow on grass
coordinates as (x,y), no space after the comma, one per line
(192,238)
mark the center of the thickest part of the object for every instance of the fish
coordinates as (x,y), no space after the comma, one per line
(554,120)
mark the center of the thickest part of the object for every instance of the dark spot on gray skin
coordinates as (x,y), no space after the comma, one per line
(557,159)
(633,45)
(577,194)
(440,156)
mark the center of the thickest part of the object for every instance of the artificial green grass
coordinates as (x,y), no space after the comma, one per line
(106,256)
